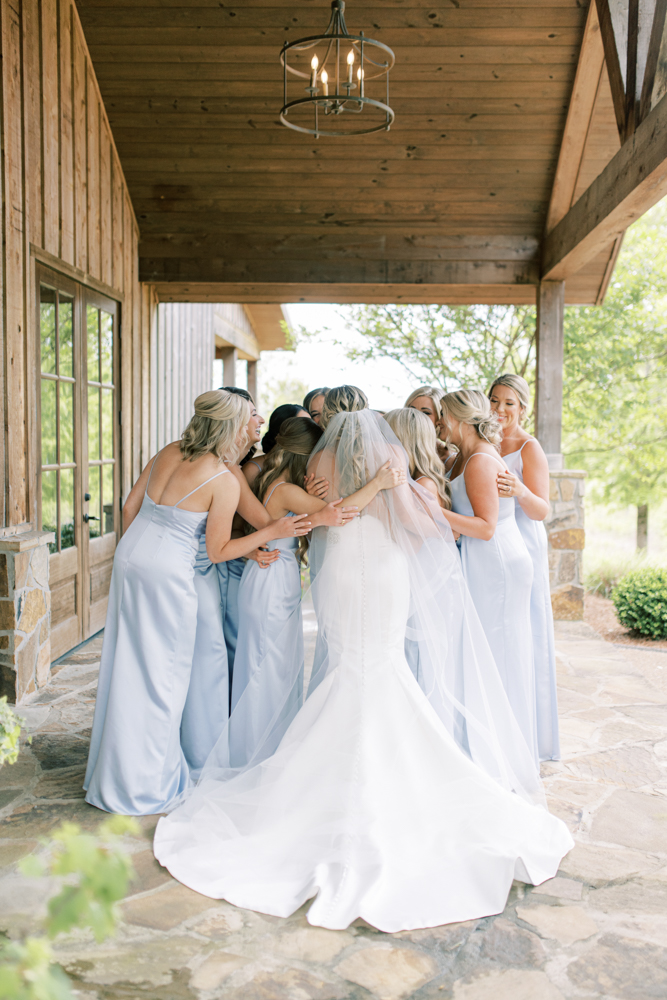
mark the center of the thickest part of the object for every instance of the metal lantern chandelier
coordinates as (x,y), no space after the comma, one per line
(338,67)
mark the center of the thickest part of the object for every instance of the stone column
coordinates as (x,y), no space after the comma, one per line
(25,613)
(565,531)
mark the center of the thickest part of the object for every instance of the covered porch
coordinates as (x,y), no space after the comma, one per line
(157,214)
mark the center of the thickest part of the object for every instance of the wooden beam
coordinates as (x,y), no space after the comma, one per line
(653,53)
(613,63)
(631,68)
(272,292)
(359,271)
(549,370)
(629,185)
(580,111)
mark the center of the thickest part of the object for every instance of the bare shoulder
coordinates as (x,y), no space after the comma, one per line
(226,485)
(485,464)
(533,453)
(428,484)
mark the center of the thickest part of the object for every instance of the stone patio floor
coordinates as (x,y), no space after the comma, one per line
(598,930)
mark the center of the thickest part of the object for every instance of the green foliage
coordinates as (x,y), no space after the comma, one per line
(606,572)
(96,872)
(285,390)
(27,972)
(640,600)
(10,730)
(615,412)
(102,871)
(447,346)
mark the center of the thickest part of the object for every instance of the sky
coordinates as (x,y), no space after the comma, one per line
(322,362)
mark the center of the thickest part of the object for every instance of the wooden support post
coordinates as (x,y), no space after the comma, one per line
(253,385)
(549,381)
(229,357)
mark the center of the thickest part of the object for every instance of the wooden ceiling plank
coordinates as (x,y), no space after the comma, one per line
(300,21)
(634,181)
(506,54)
(258,41)
(584,91)
(256,73)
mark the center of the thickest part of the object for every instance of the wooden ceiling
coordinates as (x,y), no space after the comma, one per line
(449,206)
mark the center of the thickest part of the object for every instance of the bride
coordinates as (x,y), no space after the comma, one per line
(407,804)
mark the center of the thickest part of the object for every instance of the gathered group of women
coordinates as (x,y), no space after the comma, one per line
(428,561)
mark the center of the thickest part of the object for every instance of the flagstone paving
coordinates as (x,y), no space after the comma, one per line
(597,930)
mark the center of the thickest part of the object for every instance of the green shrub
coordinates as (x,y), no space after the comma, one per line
(10,730)
(602,572)
(640,600)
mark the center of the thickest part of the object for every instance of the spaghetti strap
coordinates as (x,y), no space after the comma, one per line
(210,480)
(525,443)
(480,453)
(151,473)
(251,461)
(283,482)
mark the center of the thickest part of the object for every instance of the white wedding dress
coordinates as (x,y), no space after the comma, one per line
(404,806)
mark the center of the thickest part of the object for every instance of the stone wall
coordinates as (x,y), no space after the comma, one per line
(565,530)
(25,613)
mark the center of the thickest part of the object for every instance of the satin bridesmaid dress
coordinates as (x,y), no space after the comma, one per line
(270,652)
(207,704)
(542,622)
(136,765)
(499,575)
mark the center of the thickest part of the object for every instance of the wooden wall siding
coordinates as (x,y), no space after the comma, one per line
(64,197)
(182,348)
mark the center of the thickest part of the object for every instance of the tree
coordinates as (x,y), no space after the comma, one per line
(447,346)
(615,378)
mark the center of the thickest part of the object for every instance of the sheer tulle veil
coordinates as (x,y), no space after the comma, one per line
(387,586)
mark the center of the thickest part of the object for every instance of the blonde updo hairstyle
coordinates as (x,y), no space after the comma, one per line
(435,395)
(342,399)
(519,386)
(416,433)
(217,427)
(472,407)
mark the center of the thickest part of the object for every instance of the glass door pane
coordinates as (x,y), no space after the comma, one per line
(57,399)
(101,421)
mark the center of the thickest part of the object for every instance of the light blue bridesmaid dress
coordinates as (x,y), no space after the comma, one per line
(207,705)
(269,653)
(499,575)
(542,622)
(136,765)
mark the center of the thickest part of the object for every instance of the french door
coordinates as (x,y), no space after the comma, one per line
(79,485)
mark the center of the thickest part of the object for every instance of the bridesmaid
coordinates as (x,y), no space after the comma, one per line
(426,399)
(313,402)
(254,466)
(268,675)
(496,563)
(136,765)
(206,708)
(416,432)
(527,480)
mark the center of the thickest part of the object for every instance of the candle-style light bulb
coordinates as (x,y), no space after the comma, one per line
(324,77)
(350,64)
(314,63)
(360,78)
